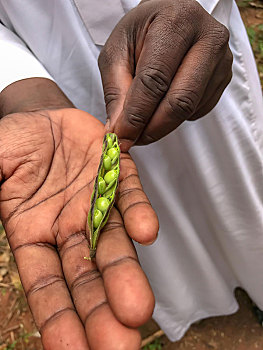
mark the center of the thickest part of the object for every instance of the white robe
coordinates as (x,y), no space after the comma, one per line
(204,179)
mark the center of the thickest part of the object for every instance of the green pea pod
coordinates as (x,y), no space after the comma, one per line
(97,222)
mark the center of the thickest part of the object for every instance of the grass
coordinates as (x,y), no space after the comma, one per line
(24,336)
(244,3)
(255,34)
(155,345)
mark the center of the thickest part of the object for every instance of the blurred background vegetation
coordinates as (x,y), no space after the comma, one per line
(252,14)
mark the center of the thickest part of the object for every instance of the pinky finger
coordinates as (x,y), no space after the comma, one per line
(48,296)
(211,97)
(215,86)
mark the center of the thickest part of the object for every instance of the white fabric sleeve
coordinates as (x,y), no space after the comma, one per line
(16,60)
(219,9)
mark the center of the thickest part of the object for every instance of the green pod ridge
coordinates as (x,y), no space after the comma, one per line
(104,191)
(109,193)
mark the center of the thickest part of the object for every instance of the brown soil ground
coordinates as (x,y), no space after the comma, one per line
(240,331)
(236,332)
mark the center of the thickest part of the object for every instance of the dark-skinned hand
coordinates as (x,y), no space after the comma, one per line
(48,162)
(165,62)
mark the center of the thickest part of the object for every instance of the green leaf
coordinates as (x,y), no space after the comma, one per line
(251,34)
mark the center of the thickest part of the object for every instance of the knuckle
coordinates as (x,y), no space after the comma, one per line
(54,316)
(146,139)
(114,50)
(94,308)
(84,278)
(111,94)
(137,120)
(225,34)
(121,261)
(229,59)
(154,81)
(182,105)
(113,225)
(43,282)
(106,56)
(221,36)
(187,12)
(71,242)
(192,10)
(226,68)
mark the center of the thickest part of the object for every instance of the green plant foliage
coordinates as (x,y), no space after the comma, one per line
(11,346)
(251,34)
(24,336)
(244,3)
(156,345)
(255,34)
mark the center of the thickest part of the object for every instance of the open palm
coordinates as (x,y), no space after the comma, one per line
(48,162)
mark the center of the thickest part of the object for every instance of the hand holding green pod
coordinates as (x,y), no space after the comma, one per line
(103,196)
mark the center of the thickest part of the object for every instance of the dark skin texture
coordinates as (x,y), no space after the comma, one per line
(48,160)
(165,62)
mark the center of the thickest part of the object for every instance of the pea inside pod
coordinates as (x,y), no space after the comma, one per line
(102,203)
(97,218)
(110,141)
(107,162)
(101,185)
(112,153)
(104,190)
(110,176)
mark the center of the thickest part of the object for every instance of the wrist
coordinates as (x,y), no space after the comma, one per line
(33,94)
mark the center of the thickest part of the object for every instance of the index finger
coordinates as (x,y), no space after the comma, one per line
(156,67)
